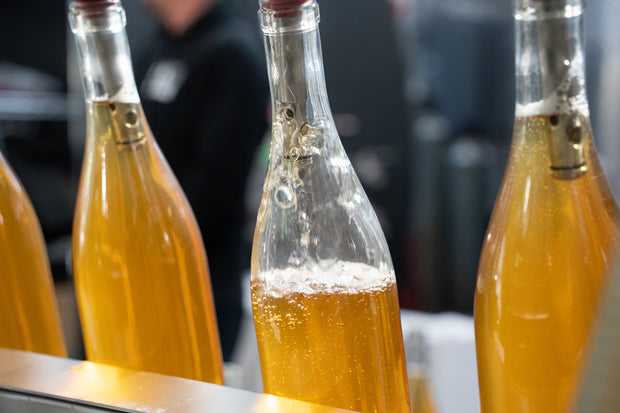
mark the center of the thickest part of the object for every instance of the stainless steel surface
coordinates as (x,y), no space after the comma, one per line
(35,383)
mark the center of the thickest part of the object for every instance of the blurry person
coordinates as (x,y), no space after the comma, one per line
(205,92)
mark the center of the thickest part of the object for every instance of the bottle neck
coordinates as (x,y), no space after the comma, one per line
(549,50)
(295,63)
(551,81)
(103,51)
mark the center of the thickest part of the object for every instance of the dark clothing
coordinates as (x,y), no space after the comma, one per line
(205,95)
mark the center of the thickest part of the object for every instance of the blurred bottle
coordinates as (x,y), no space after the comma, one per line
(140,267)
(601,379)
(467,201)
(323,285)
(29,318)
(553,232)
(430,142)
(420,392)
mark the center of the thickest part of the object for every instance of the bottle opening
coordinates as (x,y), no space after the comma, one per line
(94,5)
(284,8)
(529,10)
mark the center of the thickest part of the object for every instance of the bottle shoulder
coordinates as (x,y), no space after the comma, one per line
(126,177)
(544,227)
(313,208)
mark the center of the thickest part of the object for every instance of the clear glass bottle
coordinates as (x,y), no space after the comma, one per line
(553,232)
(29,317)
(323,287)
(140,267)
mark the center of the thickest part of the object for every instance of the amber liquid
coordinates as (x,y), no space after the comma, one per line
(29,318)
(420,394)
(141,272)
(332,344)
(544,262)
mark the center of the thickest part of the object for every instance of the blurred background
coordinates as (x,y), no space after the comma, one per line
(422,93)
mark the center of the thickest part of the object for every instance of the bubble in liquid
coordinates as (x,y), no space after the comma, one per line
(284,197)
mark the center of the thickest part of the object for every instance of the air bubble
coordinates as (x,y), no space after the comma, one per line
(289,113)
(131,119)
(284,197)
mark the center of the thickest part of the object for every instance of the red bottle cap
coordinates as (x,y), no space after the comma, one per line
(94,5)
(284,8)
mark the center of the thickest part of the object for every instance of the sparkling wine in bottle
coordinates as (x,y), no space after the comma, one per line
(29,318)
(323,287)
(553,232)
(140,267)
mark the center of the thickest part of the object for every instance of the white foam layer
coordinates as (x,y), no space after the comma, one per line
(329,276)
(559,102)
(554,106)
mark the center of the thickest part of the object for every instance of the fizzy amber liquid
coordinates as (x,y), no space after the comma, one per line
(545,259)
(140,267)
(334,343)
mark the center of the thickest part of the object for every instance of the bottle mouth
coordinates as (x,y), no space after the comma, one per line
(96,15)
(94,5)
(530,10)
(284,8)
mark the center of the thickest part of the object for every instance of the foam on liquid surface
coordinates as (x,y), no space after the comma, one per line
(329,276)
(560,101)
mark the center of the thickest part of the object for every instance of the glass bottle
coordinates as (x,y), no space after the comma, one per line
(553,232)
(416,351)
(29,317)
(323,287)
(598,387)
(140,267)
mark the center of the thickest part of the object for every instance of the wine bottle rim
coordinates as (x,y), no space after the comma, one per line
(284,8)
(94,5)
